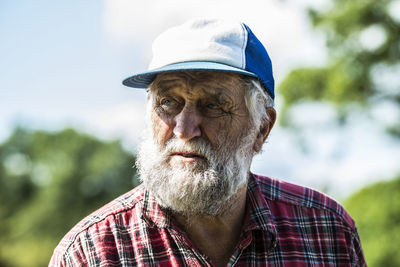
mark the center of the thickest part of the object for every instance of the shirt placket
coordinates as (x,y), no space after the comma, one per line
(245,241)
(193,256)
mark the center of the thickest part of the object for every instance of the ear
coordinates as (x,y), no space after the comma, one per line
(265,129)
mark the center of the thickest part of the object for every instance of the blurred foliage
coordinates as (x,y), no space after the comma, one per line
(363,68)
(49,181)
(376,209)
(361,74)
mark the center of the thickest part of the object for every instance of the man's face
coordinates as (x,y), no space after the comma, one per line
(202,141)
(209,106)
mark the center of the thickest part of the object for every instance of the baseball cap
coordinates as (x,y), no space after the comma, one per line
(208,44)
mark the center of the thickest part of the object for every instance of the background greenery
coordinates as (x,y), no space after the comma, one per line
(376,210)
(361,75)
(50,180)
(363,40)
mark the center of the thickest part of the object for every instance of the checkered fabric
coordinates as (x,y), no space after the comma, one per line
(285,225)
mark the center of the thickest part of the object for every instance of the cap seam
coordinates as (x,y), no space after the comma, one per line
(244,46)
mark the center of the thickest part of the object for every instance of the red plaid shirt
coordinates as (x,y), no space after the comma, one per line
(285,225)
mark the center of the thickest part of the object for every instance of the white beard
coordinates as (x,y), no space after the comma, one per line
(204,187)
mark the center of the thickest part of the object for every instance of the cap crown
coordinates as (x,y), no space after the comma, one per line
(205,40)
(208,44)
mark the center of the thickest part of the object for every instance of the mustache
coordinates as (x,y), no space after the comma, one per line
(198,147)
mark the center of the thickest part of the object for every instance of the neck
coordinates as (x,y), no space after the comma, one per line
(217,236)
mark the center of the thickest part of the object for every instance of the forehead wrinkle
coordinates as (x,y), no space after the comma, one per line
(165,85)
(225,91)
(214,84)
(219,84)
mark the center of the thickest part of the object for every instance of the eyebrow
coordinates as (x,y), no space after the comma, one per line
(216,91)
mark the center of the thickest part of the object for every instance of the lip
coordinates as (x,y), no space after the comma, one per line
(186,156)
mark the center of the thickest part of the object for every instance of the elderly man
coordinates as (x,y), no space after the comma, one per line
(210,109)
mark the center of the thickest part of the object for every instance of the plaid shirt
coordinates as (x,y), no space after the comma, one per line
(285,225)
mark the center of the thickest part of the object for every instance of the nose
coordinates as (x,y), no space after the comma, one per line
(187,124)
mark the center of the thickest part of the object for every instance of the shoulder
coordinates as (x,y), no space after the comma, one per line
(287,194)
(120,211)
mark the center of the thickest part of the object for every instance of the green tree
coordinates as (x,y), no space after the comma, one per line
(361,75)
(363,41)
(376,209)
(49,181)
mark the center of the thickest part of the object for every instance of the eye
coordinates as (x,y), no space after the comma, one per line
(213,109)
(168,105)
(167,102)
(212,106)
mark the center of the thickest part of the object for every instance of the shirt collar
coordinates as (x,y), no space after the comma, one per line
(258,211)
(153,214)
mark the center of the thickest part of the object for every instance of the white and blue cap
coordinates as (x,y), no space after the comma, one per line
(204,44)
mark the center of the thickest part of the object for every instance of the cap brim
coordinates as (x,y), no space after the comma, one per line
(143,80)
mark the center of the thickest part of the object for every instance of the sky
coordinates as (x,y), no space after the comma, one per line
(62,64)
